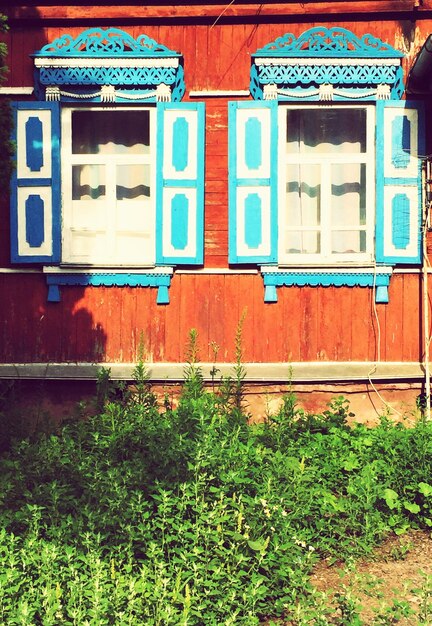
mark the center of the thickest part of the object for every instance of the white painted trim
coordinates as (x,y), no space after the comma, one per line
(16,91)
(105,237)
(324,161)
(378,269)
(411,195)
(217,270)
(104,270)
(45,248)
(8,270)
(312,372)
(218,93)
(105,62)
(324,61)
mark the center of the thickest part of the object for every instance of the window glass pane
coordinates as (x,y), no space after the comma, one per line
(347,242)
(110,132)
(303,195)
(300,242)
(133,182)
(348,191)
(88,182)
(326,130)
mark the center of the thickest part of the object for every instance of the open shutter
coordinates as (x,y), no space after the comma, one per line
(252,164)
(35,191)
(180,183)
(399,188)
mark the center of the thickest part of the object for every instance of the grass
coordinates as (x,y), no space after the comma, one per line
(151,515)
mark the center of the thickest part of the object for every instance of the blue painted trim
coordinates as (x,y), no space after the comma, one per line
(179,221)
(162,295)
(272,280)
(401,218)
(234,182)
(335,43)
(180,183)
(382,183)
(180,144)
(120,95)
(109,42)
(174,182)
(161,281)
(34,182)
(253,220)
(83,80)
(328,42)
(253,147)
(34,220)
(34,144)
(381,294)
(53,293)
(255,182)
(401,135)
(270,293)
(53,183)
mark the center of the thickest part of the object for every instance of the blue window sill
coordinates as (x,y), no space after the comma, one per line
(377,277)
(159,278)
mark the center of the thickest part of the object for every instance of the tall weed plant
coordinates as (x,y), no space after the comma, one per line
(166,517)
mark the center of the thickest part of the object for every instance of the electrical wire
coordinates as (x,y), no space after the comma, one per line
(221,14)
(378,348)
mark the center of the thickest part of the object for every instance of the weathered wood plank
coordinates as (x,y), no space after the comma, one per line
(210,12)
(361,324)
(412,316)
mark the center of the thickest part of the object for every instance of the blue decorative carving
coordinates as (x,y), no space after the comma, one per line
(34,144)
(179,221)
(253,143)
(253,221)
(110,42)
(180,144)
(328,42)
(160,280)
(147,65)
(34,221)
(401,221)
(356,68)
(401,141)
(379,280)
(107,75)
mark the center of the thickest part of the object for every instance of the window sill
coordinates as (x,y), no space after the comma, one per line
(377,277)
(159,277)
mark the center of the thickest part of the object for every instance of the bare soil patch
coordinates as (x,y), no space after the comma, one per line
(400,570)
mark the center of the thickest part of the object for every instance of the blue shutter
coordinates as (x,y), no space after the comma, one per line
(35,186)
(252,164)
(400,146)
(180,183)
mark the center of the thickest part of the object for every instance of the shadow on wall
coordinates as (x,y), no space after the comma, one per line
(33,330)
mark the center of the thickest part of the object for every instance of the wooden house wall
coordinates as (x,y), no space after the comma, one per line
(97,324)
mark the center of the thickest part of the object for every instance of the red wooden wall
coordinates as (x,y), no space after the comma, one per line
(307,324)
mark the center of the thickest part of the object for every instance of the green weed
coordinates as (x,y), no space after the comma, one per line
(190,516)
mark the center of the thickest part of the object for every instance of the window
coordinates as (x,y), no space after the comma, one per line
(325,164)
(131,181)
(109,183)
(326,184)
(108,178)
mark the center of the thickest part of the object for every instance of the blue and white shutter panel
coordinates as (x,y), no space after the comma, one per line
(400,146)
(180,183)
(35,186)
(252,164)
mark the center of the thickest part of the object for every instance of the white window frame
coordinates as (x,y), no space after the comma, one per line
(147,256)
(326,257)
